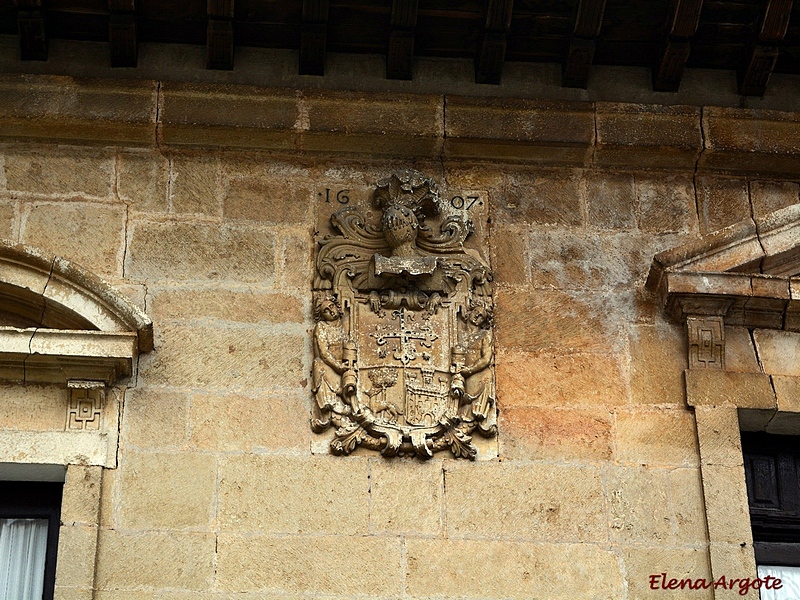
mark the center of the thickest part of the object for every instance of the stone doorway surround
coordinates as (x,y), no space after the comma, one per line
(737,291)
(67,339)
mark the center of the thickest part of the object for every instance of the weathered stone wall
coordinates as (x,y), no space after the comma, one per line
(218,494)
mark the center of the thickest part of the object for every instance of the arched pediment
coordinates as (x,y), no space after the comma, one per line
(59,321)
(748,273)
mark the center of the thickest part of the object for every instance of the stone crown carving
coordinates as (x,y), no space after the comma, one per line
(403,345)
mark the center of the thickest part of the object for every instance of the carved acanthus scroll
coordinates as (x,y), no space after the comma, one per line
(403,345)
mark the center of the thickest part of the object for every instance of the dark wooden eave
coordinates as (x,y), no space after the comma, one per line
(400,56)
(774,23)
(752,37)
(219,40)
(682,21)
(588,20)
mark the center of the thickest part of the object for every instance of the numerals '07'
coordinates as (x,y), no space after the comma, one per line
(459,202)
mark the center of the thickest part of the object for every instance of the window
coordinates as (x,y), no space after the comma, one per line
(29,524)
(772,471)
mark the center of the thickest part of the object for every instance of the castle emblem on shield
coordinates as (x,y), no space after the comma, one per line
(403,345)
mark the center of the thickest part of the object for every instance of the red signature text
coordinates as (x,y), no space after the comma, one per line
(660,582)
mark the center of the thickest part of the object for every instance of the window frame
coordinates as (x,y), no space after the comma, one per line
(776,524)
(36,500)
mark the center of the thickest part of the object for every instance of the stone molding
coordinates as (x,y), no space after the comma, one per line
(745,274)
(62,109)
(64,322)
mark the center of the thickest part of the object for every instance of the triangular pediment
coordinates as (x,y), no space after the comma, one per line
(748,273)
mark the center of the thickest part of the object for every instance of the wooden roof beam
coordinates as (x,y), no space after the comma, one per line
(492,46)
(313,37)
(754,75)
(31,27)
(219,35)
(400,58)
(578,61)
(682,21)
(122,35)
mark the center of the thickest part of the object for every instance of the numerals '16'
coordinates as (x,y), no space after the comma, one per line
(341,196)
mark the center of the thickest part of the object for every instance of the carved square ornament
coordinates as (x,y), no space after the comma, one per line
(403,341)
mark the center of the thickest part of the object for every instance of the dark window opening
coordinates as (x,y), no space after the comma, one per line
(30,515)
(772,471)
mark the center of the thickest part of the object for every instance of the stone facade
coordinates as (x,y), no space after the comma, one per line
(200,204)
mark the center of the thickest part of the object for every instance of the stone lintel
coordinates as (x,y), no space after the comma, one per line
(711,387)
(755,301)
(56,356)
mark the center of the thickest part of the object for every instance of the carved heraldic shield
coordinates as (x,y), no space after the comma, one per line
(403,345)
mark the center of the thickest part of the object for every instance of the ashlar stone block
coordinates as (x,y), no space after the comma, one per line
(550,379)
(556,434)
(282,494)
(155,419)
(67,171)
(32,407)
(231,422)
(778,351)
(167,490)
(406,497)
(195,184)
(483,569)
(510,254)
(229,358)
(639,505)
(594,260)
(718,435)
(610,200)
(740,355)
(722,201)
(278,201)
(658,357)
(769,196)
(92,235)
(656,437)
(710,387)
(666,204)
(542,197)
(294,260)
(687,506)
(80,502)
(143,181)
(247,306)
(534,501)
(142,560)
(555,320)
(78,545)
(726,504)
(185,251)
(309,564)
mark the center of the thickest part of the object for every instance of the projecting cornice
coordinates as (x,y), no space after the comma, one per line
(59,322)
(746,274)
(41,108)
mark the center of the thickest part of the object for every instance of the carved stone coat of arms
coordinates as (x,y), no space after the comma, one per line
(403,345)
